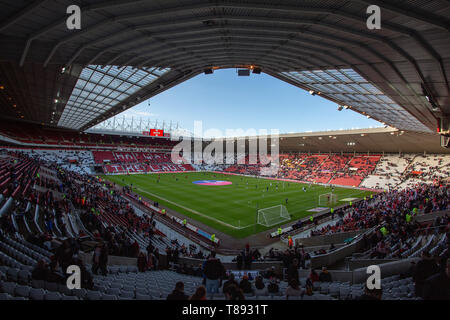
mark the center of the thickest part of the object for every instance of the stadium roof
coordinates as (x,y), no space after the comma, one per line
(367,140)
(129,50)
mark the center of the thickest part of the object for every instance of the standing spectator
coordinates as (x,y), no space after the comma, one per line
(248,260)
(292,272)
(437,287)
(134,249)
(239,261)
(87,282)
(142,262)
(425,268)
(64,255)
(100,259)
(213,271)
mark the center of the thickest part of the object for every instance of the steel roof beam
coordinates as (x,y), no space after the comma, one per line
(22,13)
(61,21)
(390,26)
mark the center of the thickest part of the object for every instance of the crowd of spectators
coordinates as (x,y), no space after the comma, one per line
(391,208)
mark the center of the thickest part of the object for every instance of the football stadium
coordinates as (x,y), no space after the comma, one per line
(97,206)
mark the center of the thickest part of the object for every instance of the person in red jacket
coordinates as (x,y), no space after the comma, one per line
(314,276)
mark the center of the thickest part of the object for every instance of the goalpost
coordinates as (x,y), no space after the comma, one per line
(273,215)
(327,199)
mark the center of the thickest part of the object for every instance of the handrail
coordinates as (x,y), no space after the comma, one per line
(36,219)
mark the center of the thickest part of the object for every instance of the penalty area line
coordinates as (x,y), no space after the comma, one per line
(194,211)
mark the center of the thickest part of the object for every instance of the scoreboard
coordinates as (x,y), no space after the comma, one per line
(154,133)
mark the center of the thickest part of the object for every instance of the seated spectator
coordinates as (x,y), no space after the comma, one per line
(309,287)
(273,287)
(229,283)
(41,271)
(325,276)
(260,287)
(371,294)
(54,275)
(234,293)
(245,285)
(200,294)
(381,251)
(178,292)
(293,289)
(270,273)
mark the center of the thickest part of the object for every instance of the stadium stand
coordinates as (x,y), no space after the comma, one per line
(61,93)
(388,173)
(338,169)
(41,215)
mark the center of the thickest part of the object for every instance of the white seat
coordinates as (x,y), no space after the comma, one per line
(22,291)
(52,296)
(140,296)
(51,286)
(8,287)
(80,293)
(93,295)
(126,294)
(36,294)
(4,296)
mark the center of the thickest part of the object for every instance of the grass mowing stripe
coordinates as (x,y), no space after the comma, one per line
(188,209)
(226,208)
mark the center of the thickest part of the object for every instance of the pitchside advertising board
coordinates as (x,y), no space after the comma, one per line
(156,133)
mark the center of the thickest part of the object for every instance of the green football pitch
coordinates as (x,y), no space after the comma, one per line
(231,208)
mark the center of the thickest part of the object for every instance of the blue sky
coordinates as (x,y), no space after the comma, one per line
(223,101)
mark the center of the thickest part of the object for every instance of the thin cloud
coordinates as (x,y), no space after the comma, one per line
(142,114)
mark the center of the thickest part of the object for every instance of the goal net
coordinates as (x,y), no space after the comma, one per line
(273,215)
(327,199)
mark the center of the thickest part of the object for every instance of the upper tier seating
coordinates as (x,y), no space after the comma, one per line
(388,172)
(426,169)
(138,162)
(36,134)
(73,160)
(338,169)
(356,170)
